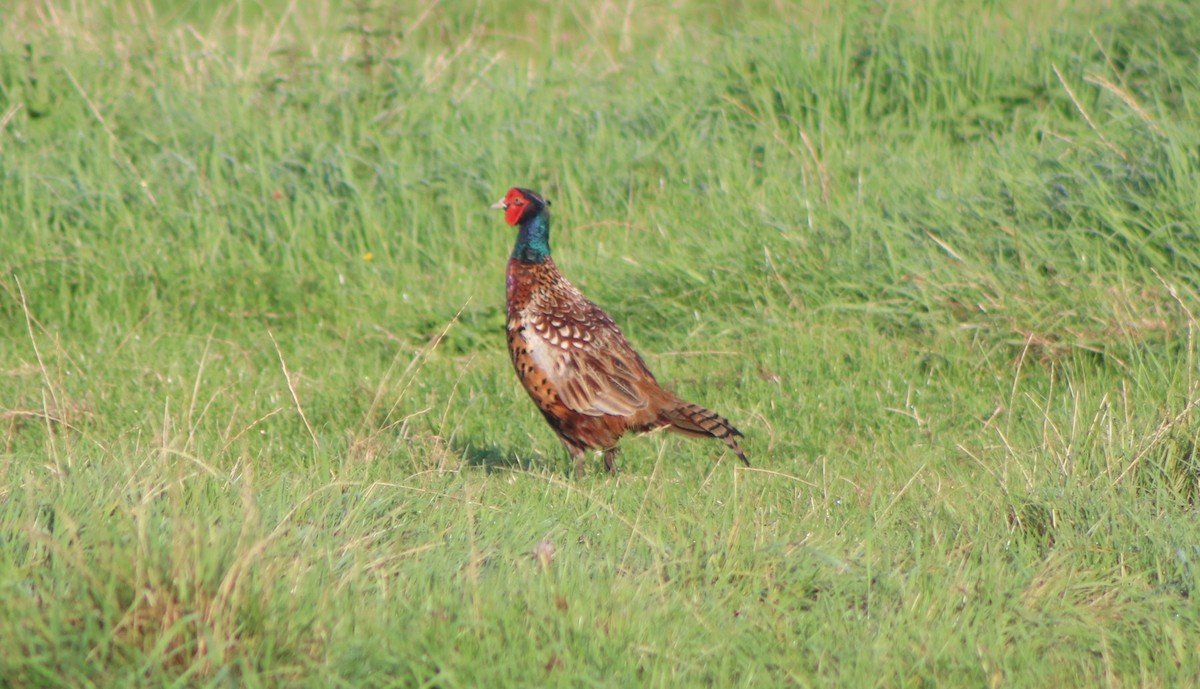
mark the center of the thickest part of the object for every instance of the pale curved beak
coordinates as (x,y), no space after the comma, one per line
(499,205)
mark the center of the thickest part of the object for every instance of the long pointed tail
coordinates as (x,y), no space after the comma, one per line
(694,420)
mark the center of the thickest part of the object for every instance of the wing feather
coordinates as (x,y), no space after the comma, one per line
(588,361)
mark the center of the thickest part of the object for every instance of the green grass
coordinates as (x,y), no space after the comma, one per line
(938,261)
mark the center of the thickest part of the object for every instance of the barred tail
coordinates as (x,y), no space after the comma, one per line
(696,421)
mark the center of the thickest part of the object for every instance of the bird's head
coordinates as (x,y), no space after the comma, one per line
(520,205)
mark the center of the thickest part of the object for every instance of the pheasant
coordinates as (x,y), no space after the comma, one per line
(581,372)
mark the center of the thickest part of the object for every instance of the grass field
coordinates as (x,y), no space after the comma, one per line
(938,261)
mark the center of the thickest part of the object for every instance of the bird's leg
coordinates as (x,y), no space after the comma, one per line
(610,456)
(580,456)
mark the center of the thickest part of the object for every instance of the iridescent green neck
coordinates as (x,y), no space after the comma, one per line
(533,241)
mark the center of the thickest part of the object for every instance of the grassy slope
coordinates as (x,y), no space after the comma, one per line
(939,266)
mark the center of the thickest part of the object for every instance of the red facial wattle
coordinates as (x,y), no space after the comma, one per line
(514,209)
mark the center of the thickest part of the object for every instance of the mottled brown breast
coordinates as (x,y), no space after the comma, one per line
(524,281)
(527,284)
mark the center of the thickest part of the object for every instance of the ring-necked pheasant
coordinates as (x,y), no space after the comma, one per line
(573,361)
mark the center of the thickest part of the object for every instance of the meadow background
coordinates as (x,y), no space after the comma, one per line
(938,260)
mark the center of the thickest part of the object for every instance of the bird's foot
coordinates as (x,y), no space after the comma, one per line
(610,457)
